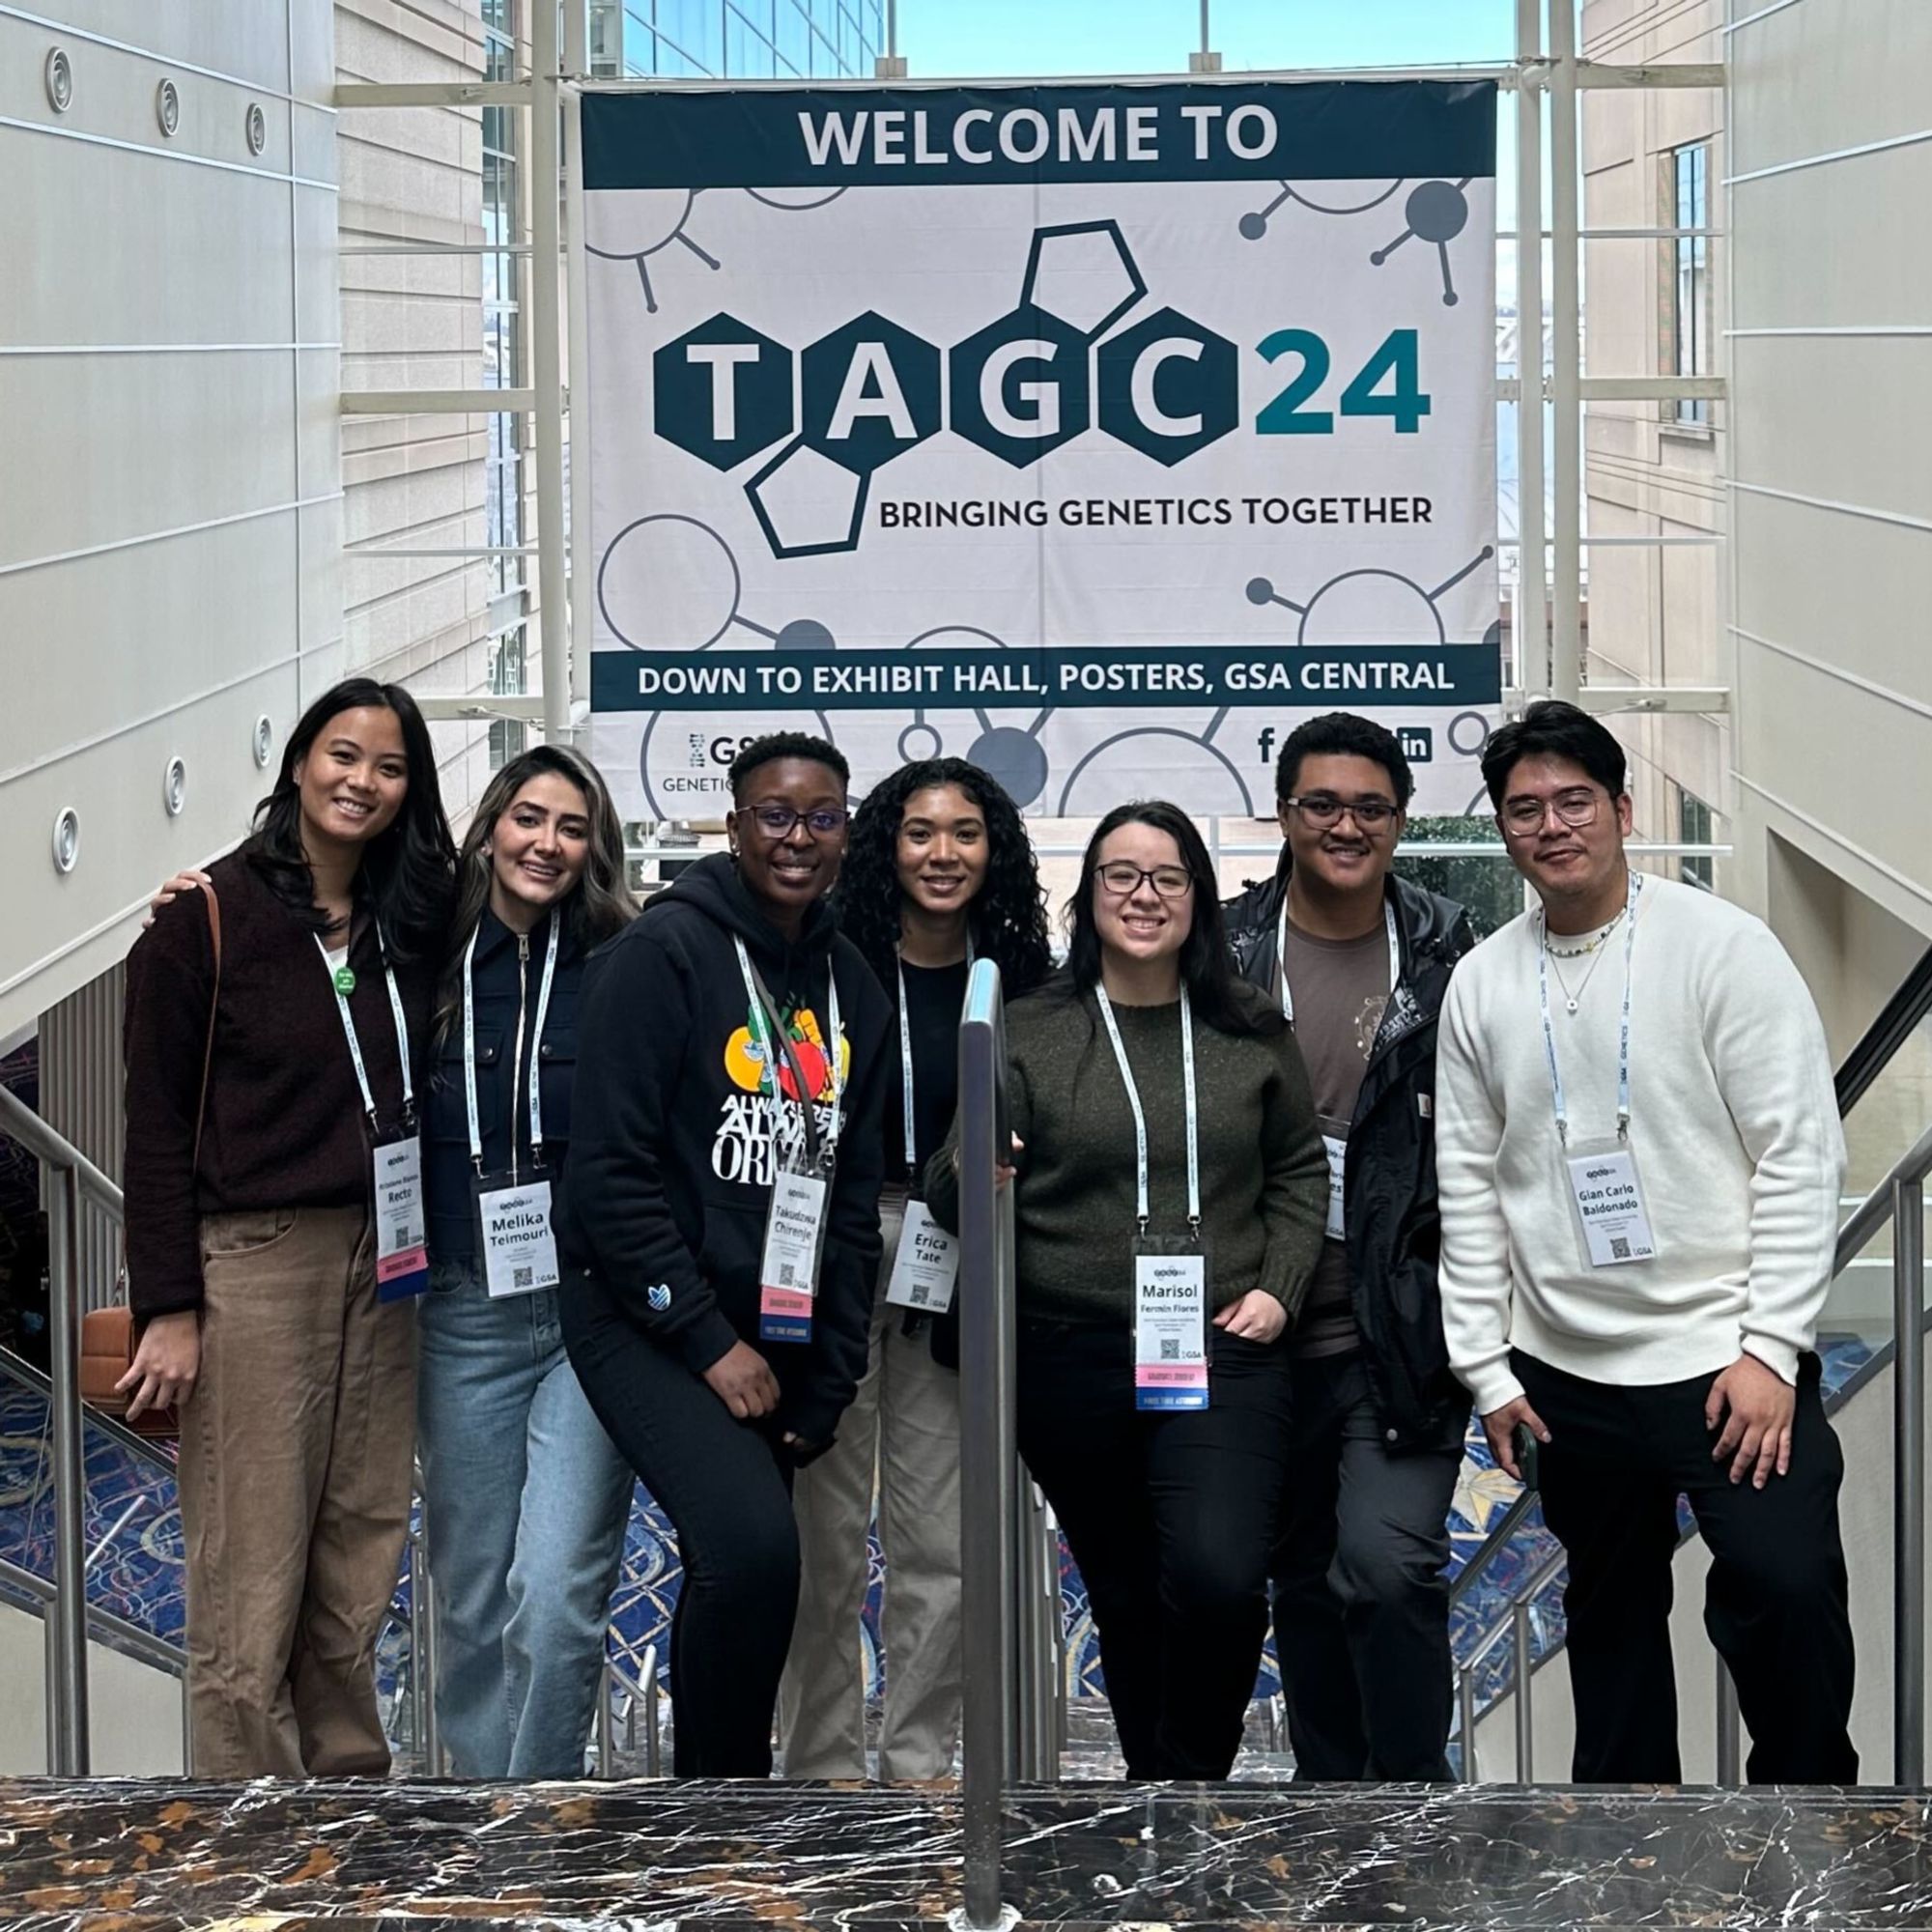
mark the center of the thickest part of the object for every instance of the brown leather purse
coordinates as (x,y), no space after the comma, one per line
(107,1335)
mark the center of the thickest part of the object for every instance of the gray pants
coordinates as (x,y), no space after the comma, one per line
(901,1434)
(1361,1606)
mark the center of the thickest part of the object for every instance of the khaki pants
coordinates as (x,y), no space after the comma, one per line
(296,1458)
(903,1425)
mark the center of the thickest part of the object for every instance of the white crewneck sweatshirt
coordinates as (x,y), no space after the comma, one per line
(1734,1125)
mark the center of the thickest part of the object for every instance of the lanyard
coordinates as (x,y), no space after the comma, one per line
(1140,1118)
(1624,1033)
(536,1049)
(905,1053)
(355,1046)
(767,1046)
(1281,955)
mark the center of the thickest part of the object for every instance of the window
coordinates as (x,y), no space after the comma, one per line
(502,316)
(1693,827)
(509,737)
(1689,302)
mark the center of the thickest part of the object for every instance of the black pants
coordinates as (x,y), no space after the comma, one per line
(1361,1606)
(727,1493)
(1774,1603)
(1172,1519)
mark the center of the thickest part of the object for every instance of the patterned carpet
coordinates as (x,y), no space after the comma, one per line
(133,1530)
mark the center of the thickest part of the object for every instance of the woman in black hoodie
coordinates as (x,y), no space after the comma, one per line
(731,1075)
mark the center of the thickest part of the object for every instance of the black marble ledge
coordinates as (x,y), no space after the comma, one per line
(126,1856)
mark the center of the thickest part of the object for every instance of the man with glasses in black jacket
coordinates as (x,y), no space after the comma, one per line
(1360,961)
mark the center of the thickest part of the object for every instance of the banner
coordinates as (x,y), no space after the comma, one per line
(1097,433)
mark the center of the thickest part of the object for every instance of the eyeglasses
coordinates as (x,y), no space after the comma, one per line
(1322,810)
(1523,818)
(776,821)
(1122,880)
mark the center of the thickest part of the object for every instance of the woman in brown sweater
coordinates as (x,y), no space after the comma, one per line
(275,1228)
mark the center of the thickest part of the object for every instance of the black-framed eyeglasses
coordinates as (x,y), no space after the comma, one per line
(1523,818)
(1322,810)
(776,821)
(1123,880)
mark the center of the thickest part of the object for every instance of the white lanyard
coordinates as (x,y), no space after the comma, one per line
(769,1047)
(1281,954)
(905,1053)
(1624,1033)
(1140,1118)
(536,1050)
(355,1046)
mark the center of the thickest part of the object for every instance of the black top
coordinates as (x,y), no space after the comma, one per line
(284,1125)
(933,996)
(504,976)
(674,1139)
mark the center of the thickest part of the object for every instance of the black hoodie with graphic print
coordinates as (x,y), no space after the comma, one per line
(662,1208)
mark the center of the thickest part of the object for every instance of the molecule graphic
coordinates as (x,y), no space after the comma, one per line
(654,219)
(1368,605)
(1436,211)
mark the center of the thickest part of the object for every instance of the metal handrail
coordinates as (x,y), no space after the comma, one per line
(644,1695)
(1897,1203)
(992,1727)
(18,1368)
(77,1180)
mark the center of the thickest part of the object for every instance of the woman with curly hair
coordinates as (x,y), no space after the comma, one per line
(939,872)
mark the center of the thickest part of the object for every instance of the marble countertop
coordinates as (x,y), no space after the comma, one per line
(134,1856)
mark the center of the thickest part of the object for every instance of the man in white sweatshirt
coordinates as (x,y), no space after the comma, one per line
(1640,1160)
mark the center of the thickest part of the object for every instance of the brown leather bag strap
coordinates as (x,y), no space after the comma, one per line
(213,1006)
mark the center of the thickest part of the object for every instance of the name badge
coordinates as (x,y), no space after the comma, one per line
(788,1268)
(1607,1196)
(926,1265)
(514,1235)
(1171,1330)
(402,1256)
(1337,1149)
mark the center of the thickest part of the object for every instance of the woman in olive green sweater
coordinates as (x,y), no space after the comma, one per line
(1169,1196)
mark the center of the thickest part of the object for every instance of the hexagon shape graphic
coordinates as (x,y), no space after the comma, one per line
(723,391)
(1084,273)
(1169,387)
(807,505)
(870,393)
(1019,386)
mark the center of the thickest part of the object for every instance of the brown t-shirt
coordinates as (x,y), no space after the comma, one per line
(1340,988)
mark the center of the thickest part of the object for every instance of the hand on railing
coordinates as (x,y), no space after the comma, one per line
(1762,1404)
(168,1359)
(1500,1427)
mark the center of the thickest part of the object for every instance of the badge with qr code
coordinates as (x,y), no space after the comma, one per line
(514,1240)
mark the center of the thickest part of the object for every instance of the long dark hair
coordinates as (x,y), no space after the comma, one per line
(404,877)
(1218,996)
(599,904)
(1008,916)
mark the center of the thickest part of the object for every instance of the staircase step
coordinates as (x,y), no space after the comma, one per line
(419,1855)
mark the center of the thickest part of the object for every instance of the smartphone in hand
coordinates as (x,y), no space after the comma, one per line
(1528,1451)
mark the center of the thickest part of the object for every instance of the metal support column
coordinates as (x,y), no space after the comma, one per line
(1566,358)
(547,369)
(1530,619)
(1525,1728)
(584,582)
(1466,1720)
(989,1727)
(1730,1729)
(1907,1562)
(67,1697)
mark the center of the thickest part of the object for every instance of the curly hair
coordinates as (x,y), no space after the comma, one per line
(1008,913)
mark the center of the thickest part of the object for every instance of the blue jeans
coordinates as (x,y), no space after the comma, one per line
(527,1504)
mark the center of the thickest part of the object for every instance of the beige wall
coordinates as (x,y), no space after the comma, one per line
(1832,507)
(170,509)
